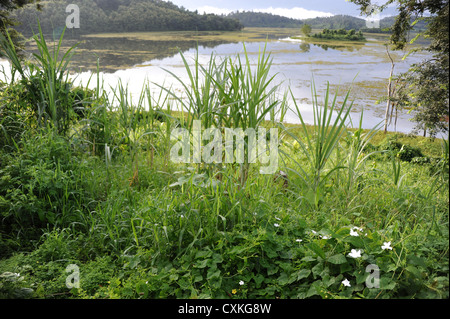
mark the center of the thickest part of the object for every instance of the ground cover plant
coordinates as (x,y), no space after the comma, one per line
(86,180)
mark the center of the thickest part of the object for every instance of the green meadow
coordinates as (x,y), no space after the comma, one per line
(93,207)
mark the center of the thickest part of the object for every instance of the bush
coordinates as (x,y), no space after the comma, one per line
(422,160)
(407,153)
(391,145)
(40,184)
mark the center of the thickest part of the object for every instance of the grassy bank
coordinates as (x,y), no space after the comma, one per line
(87,179)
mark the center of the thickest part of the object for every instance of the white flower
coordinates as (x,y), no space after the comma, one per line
(325,237)
(314,232)
(386,245)
(355,253)
(241,282)
(276,225)
(298,240)
(346,283)
(353,232)
(277,218)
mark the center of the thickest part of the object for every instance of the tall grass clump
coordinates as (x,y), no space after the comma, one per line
(233,94)
(318,145)
(45,88)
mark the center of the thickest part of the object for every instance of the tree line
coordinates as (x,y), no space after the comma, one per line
(263,20)
(259,19)
(99,16)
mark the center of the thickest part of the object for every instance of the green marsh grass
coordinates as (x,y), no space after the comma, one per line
(320,144)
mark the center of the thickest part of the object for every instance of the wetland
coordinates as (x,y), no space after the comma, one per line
(362,67)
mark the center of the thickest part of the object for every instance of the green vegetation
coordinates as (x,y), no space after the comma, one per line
(306,29)
(251,19)
(7,22)
(86,179)
(340,34)
(99,16)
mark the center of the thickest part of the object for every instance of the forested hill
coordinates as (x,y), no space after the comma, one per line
(348,22)
(259,19)
(99,16)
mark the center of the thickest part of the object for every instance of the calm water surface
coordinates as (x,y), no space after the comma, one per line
(364,67)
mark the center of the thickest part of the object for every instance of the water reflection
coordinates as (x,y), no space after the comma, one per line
(349,48)
(306,47)
(121,53)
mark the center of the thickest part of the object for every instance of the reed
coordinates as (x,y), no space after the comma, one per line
(319,143)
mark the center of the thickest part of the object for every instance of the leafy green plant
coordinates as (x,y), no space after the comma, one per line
(407,153)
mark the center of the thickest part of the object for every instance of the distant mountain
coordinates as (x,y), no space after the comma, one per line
(336,22)
(99,16)
(258,19)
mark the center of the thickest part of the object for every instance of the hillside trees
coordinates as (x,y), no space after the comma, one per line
(6,21)
(98,16)
(261,20)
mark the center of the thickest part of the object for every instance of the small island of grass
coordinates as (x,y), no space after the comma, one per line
(340,34)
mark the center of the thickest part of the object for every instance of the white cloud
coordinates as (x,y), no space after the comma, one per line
(295,13)
(215,10)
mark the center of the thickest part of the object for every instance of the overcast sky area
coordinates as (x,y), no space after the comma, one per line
(297,9)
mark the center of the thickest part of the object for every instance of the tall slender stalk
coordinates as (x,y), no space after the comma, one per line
(387,119)
(358,141)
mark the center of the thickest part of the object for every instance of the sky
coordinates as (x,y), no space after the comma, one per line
(297,9)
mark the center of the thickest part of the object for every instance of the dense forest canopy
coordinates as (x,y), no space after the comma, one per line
(98,16)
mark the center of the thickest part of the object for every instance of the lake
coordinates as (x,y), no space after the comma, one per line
(134,58)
